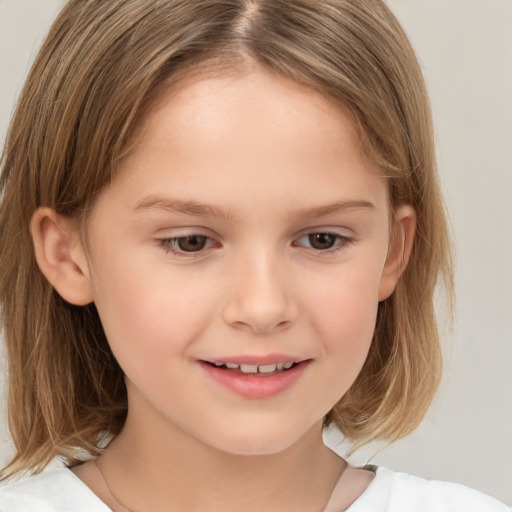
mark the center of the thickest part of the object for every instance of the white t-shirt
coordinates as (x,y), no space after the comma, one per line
(59,490)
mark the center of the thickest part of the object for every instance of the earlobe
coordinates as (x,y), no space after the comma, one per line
(61,256)
(400,249)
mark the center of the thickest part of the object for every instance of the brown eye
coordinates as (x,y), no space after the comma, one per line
(191,243)
(322,241)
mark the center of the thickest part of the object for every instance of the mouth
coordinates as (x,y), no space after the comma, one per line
(254,369)
(256,381)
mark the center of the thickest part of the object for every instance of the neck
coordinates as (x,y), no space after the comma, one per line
(170,466)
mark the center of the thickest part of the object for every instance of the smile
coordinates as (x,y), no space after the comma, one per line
(256,381)
(266,369)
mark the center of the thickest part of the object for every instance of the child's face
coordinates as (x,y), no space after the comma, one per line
(245,227)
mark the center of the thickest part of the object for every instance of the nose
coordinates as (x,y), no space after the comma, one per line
(260,298)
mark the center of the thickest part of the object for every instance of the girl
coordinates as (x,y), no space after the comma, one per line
(225,230)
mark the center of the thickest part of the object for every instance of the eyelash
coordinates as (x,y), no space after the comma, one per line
(169,244)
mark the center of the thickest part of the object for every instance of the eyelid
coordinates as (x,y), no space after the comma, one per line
(333,229)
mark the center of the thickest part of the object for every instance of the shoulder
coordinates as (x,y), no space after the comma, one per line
(396,492)
(58,490)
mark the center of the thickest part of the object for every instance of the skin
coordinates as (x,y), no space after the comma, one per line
(269,159)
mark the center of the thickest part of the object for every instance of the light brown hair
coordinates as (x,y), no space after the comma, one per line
(95,78)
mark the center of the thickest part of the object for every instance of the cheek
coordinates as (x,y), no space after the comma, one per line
(350,293)
(344,313)
(147,316)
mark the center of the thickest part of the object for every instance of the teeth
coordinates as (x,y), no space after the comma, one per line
(254,368)
(268,368)
(249,368)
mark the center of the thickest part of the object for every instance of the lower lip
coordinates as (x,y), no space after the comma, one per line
(256,386)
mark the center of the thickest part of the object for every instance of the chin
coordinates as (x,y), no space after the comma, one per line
(261,442)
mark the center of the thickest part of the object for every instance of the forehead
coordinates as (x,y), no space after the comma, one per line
(207,101)
(249,129)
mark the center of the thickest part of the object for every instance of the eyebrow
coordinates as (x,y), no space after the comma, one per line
(336,207)
(184,207)
(197,209)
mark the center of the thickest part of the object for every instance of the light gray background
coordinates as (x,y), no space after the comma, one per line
(465,47)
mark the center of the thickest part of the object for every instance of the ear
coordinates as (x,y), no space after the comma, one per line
(400,248)
(60,255)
